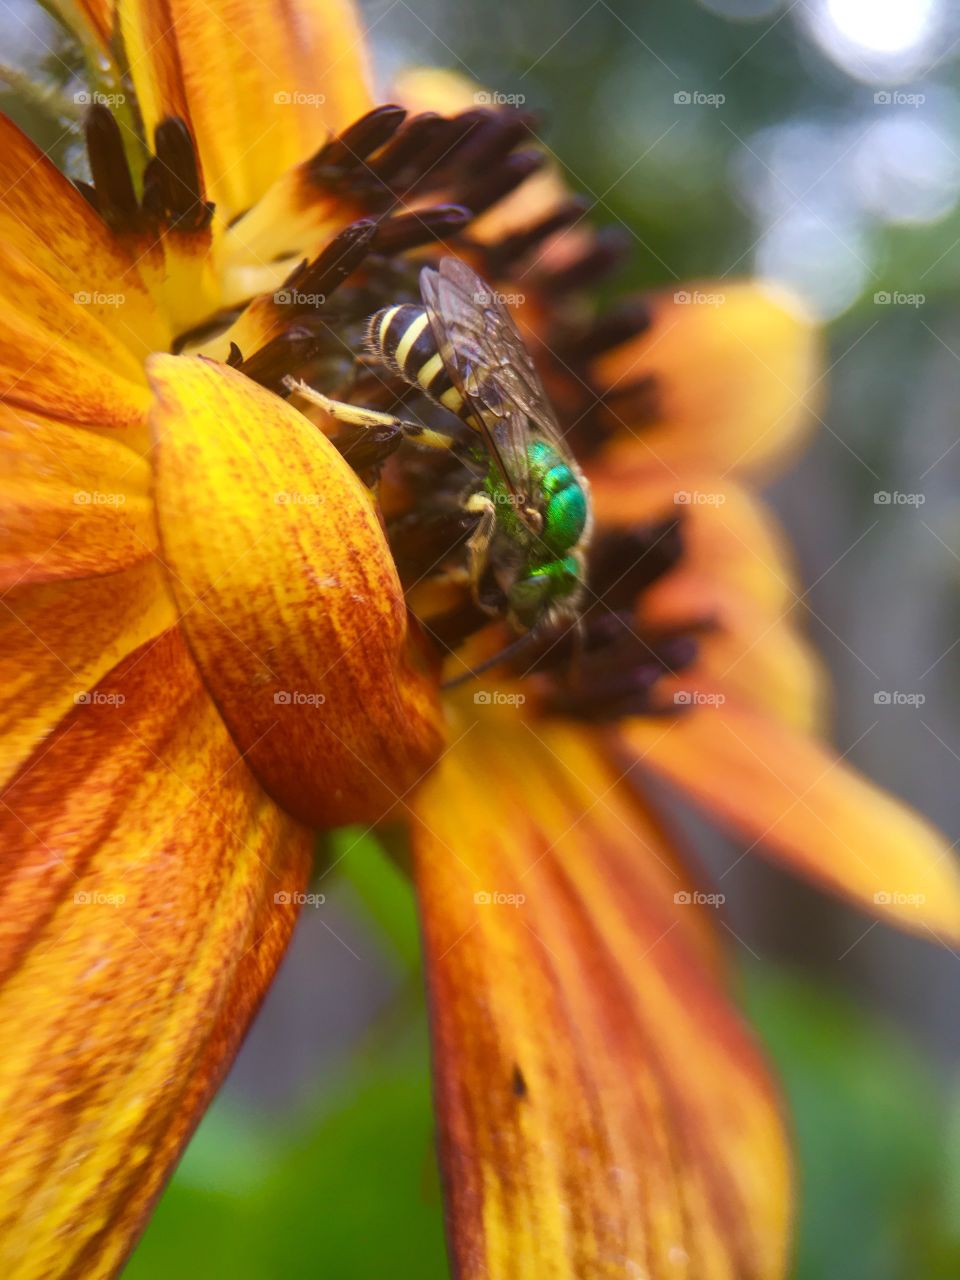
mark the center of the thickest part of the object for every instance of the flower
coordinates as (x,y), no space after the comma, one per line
(209,656)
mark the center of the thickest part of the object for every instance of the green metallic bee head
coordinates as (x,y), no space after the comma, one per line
(530,598)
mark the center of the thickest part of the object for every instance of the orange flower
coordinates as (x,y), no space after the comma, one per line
(208,655)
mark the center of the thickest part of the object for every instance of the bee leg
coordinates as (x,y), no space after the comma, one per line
(357,416)
(478,544)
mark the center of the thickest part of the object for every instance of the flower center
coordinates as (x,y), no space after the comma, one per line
(572,620)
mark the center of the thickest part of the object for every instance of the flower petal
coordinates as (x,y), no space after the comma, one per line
(602,1110)
(289,596)
(59,639)
(261,88)
(798,802)
(734,383)
(47,222)
(147,883)
(73,502)
(58,357)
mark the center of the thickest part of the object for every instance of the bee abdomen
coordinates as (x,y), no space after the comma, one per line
(402,337)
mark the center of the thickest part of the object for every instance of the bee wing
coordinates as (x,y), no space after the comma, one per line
(482,348)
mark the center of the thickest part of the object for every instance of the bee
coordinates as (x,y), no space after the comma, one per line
(460,347)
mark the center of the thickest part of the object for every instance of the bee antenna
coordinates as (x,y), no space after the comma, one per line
(510,651)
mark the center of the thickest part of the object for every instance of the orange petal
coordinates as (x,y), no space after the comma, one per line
(735,380)
(72,502)
(46,220)
(796,801)
(59,639)
(147,885)
(289,597)
(602,1111)
(58,357)
(262,87)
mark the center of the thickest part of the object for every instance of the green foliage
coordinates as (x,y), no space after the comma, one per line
(869,1130)
(351,1193)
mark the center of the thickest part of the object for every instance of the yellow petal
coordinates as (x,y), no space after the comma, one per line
(796,801)
(73,503)
(148,888)
(602,1111)
(289,597)
(59,639)
(46,221)
(734,374)
(261,87)
(58,357)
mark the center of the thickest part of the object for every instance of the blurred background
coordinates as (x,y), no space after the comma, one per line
(816,142)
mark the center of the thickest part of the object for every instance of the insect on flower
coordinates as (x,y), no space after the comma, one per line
(462,348)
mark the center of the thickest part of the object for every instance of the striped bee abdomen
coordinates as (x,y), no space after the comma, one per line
(402,337)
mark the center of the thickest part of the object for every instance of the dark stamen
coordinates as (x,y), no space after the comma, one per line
(610,245)
(359,140)
(116,198)
(496,135)
(421,543)
(484,191)
(367,448)
(624,562)
(410,230)
(510,248)
(339,259)
(620,324)
(177,176)
(407,146)
(283,355)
